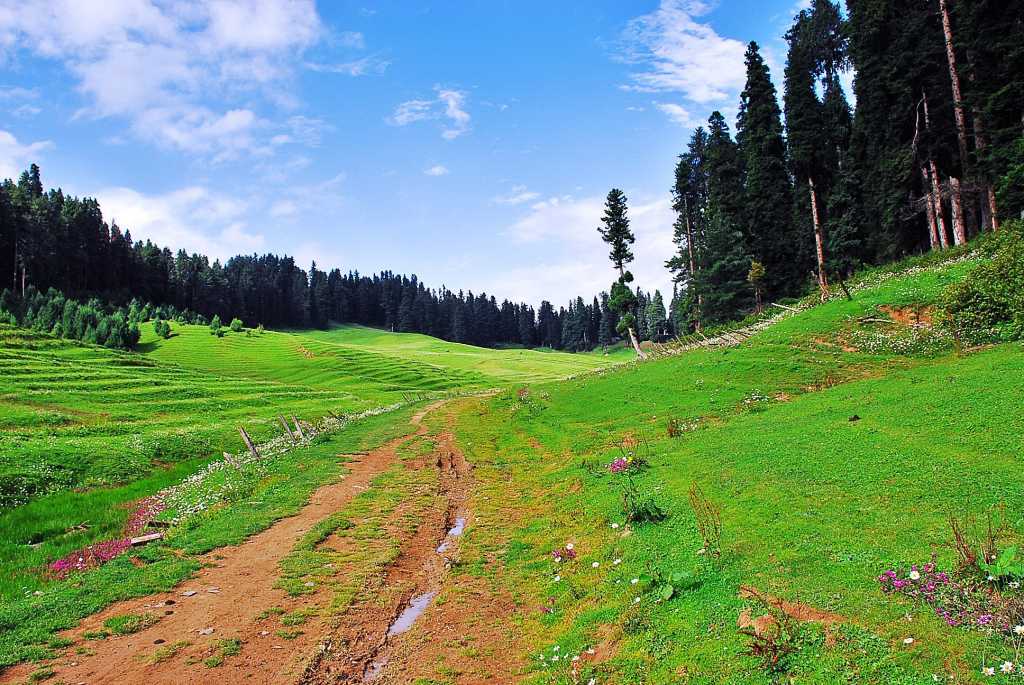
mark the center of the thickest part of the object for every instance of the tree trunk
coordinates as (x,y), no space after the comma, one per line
(940,219)
(693,261)
(988,203)
(929,209)
(632,335)
(819,239)
(959,231)
(636,345)
(957,208)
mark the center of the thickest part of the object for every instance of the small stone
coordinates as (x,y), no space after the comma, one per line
(188,593)
(206,631)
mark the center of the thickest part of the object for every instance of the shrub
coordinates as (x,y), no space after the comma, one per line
(215,326)
(638,506)
(236,325)
(988,305)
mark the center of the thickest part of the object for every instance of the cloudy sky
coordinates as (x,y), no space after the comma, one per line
(470,143)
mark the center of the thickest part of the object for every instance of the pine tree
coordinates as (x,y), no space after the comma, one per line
(767,221)
(722,278)
(657,318)
(615,231)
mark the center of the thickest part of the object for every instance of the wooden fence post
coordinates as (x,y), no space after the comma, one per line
(298,427)
(286,428)
(248,442)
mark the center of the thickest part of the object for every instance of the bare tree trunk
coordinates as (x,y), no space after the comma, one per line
(929,208)
(632,335)
(957,209)
(693,261)
(959,231)
(988,204)
(819,239)
(940,218)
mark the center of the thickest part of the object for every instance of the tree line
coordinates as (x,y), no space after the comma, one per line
(60,254)
(932,155)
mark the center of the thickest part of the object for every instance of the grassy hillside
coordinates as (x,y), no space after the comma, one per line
(511,366)
(75,415)
(829,464)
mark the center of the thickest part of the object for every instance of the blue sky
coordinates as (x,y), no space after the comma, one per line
(470,143)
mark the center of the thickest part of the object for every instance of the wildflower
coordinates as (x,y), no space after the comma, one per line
(636,600)
(1006,667)
(617,562)
(915,575)
(570,546)
(908,640)
(634,581)
(615,526)
(1018,630)
(555,648)
(558,578)
(988,670)
(984,619)
(596,564)
(1014,585)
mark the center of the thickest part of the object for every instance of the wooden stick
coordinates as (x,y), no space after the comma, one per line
(286,428)
(298,427)
(782,306)
(248,442)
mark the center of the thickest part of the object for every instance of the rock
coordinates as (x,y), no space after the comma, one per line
(206,631)
(188,593)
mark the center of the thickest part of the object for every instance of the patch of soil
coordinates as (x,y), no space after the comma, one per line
(227,595)
(910,316)
(799,611)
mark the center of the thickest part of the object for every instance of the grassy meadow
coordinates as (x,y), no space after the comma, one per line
(85,430)
(829,465)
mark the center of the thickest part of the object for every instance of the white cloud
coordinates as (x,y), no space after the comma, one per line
(15,157)
(675,53)
(359,67)
(518,195)
(448,105)
(436,170)
(566,228)
(194,219)
(352,39)
(677,113)
(182,73)
(283,208)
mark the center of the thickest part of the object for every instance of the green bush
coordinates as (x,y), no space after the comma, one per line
(988,305)
(215,326)
(236,325)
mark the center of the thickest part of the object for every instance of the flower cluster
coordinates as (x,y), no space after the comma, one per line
(619,465)
(959,601)
(88,557)
(567,553)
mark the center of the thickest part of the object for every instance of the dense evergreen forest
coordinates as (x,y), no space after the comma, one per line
(807,191)
(932,154)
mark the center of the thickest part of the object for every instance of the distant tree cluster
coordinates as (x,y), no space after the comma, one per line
(48,240)
(932,155)
(50,312)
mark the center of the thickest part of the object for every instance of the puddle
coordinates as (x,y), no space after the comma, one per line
(374,670)
(412,612)
(456,531)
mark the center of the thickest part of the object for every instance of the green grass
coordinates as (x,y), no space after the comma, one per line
(85,431)
(33,608)
(74,415)
(814,505)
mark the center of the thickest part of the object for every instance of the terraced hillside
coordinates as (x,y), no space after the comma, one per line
(75,415)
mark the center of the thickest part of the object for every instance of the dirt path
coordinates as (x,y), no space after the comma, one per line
(418,621)
(411,620)
(227,596)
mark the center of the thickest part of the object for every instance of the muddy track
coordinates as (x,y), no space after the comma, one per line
(228,595)
(366,644)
